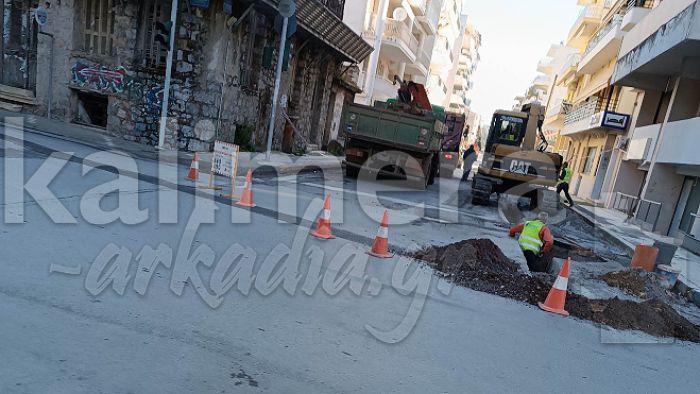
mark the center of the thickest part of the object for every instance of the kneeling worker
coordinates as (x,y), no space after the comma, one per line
(536,241)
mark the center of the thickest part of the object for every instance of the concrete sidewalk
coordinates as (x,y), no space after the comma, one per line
(629,235)
(278,164)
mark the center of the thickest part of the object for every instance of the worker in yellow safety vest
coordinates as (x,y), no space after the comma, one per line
(536,242)
(564,182)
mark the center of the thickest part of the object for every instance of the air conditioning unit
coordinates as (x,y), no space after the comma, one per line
(621,143)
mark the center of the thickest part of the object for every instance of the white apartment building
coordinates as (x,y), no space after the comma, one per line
(403,35)
(658,180)
(446,50)
(461,77)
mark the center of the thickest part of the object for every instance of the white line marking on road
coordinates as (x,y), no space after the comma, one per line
(63,269)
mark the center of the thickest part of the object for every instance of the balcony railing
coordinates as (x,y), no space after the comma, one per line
(423,59)
(598,37)
(395,31)
(336,6)
(561,107)
(572,61)
(640,3)
(588,12)
(589,108)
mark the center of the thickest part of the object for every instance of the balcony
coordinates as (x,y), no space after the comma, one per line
(559,109)
(570,66)
(398,42)
(430,17)
(421,66)
(603,47)
(588,20)
(595,113)
(541,81)
(680,142)
(641,146)
(335,6)
(636,11)
(655,49)
(545,66)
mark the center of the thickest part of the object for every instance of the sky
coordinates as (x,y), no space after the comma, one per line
(516,34)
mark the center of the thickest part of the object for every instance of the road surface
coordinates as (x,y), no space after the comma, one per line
(349,323)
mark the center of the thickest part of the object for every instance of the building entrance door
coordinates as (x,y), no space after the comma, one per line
(18,45)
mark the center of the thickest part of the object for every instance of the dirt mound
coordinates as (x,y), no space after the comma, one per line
(480,265)
(469,255)
(653,317)
(633,282)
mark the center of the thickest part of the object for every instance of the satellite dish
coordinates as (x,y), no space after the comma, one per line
(400,14)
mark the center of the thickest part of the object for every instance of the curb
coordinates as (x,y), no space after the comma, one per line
(185,158)
(612,237)
(680,287)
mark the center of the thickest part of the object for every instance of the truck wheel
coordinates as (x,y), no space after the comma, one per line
(351,172)
(433,172)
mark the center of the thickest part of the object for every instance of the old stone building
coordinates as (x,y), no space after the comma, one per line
(108,69)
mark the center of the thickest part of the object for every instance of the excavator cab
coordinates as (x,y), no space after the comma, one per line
(515,160)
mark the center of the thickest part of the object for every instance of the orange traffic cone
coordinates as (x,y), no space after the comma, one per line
(193,174)
(380,247)
(247,195)
(323,228)
(556,299)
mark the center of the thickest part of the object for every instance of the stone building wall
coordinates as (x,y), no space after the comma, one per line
(218,83)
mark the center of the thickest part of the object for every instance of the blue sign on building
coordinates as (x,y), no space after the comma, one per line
(228,6)
(200,3)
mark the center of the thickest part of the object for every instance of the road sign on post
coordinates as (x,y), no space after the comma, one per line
(287,8)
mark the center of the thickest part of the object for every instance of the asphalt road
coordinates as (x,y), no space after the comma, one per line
(164,288)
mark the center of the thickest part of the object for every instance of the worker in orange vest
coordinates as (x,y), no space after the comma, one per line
(536,242)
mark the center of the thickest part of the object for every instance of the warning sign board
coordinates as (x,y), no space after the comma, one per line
(225,159)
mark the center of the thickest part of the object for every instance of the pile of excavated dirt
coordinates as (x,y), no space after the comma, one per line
(480,265)
(575,252)
(633,281)
(467,255)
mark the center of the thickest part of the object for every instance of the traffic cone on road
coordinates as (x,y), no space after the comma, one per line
(247,195)
(193,174)
(556,299)
(323,228)
(380,247)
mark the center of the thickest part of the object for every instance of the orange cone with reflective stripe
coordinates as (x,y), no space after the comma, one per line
(193,174)
(323,228)
(247,195)
(557,296)
(380,247)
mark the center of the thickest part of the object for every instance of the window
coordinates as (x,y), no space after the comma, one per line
(150,52)
(509,130)
(99,27)
(590,159)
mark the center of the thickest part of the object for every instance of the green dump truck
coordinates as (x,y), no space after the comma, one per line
(387,140)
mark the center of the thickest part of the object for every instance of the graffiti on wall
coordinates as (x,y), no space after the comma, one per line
(99,78)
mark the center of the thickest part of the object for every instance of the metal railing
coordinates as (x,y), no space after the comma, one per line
(614,24)
(336,6)
(589,108)
(561,107)
(640,3)
(649,212)
(625,203)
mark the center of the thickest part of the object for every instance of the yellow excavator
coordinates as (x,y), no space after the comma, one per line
(516,162)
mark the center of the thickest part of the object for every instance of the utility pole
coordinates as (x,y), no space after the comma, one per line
(374,57)
(168,71)
(287,8)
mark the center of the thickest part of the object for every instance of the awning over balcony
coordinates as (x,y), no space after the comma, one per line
(318,20)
